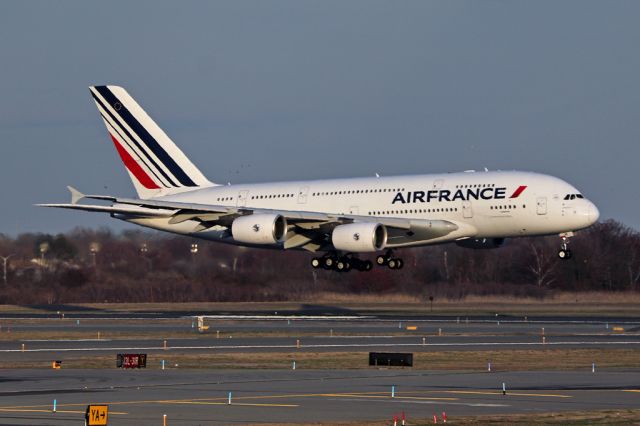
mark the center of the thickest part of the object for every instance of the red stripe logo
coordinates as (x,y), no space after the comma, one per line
(133,166)
(518,191)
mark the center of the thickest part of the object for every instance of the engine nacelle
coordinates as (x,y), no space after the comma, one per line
(481,243)
(359,237)
(259,229)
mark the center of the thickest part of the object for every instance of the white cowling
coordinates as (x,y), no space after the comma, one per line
(259,229)
(359,237)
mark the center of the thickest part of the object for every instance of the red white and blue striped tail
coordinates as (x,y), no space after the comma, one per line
(156,165)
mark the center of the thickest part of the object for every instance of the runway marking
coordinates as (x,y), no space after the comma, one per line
(319,346)
(339,395)
(31,410)
(67,340)
(284,317)
(509,393)
(242,401)
(242,404)
(402,401)
(631,390)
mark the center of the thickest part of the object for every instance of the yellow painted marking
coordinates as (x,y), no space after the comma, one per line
(223,400)
(359,395)
(631,390)
(244,404)
(510,393)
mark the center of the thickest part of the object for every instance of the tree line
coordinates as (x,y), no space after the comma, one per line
(91,266)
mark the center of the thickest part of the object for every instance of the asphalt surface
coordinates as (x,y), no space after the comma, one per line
(108,336)
(278,396)
(200,397)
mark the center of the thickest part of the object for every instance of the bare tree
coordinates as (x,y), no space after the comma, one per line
(543,264)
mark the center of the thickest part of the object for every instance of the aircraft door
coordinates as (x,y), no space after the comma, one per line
(467,211)
(541,205)
(242,198)
(302,195)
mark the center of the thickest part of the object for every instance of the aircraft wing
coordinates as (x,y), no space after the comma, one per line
(307,230)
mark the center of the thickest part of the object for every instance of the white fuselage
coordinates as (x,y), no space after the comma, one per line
(493,204)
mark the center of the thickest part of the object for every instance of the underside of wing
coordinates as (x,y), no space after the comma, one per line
(312,231)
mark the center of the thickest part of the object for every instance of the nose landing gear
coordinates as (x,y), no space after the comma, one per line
(565,253)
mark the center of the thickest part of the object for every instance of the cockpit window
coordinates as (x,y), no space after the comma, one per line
(572,196)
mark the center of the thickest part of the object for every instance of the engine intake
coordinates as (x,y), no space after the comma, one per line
(360,237)
(259,229)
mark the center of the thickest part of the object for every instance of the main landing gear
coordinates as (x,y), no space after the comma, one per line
(388,260)
(564,253)
(336,262)
(341,263)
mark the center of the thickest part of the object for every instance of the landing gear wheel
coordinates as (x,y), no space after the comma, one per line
(564,254)
(392,263)
(381,260)
(328,262)
(400,263)
(367,266)
(315,263)
(342,265)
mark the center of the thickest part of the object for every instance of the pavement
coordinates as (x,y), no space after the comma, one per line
(201,397)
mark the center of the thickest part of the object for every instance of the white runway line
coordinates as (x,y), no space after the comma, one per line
(399,400)
(283,317)
(303,346)
(67,340)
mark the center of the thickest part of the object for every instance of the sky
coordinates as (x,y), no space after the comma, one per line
(257,91)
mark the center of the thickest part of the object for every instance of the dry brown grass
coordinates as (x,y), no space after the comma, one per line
(509,360)
(602,417)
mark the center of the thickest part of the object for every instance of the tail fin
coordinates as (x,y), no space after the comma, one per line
(155,164)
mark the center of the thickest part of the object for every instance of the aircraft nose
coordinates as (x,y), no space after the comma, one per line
(593,214)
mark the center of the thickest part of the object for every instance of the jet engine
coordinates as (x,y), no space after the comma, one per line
(259,229)
(481,243)
(359,237)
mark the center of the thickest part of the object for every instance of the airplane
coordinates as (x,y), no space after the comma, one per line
(336,219)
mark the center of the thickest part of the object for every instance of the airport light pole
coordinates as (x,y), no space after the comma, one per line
(94,248)
(144,249)
(44,248)
(5,259)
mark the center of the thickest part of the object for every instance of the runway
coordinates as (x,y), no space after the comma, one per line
(107,335)
(201,397)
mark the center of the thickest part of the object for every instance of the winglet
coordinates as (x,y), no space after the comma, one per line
(75,195)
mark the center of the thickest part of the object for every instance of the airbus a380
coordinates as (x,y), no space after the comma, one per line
(338,219)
